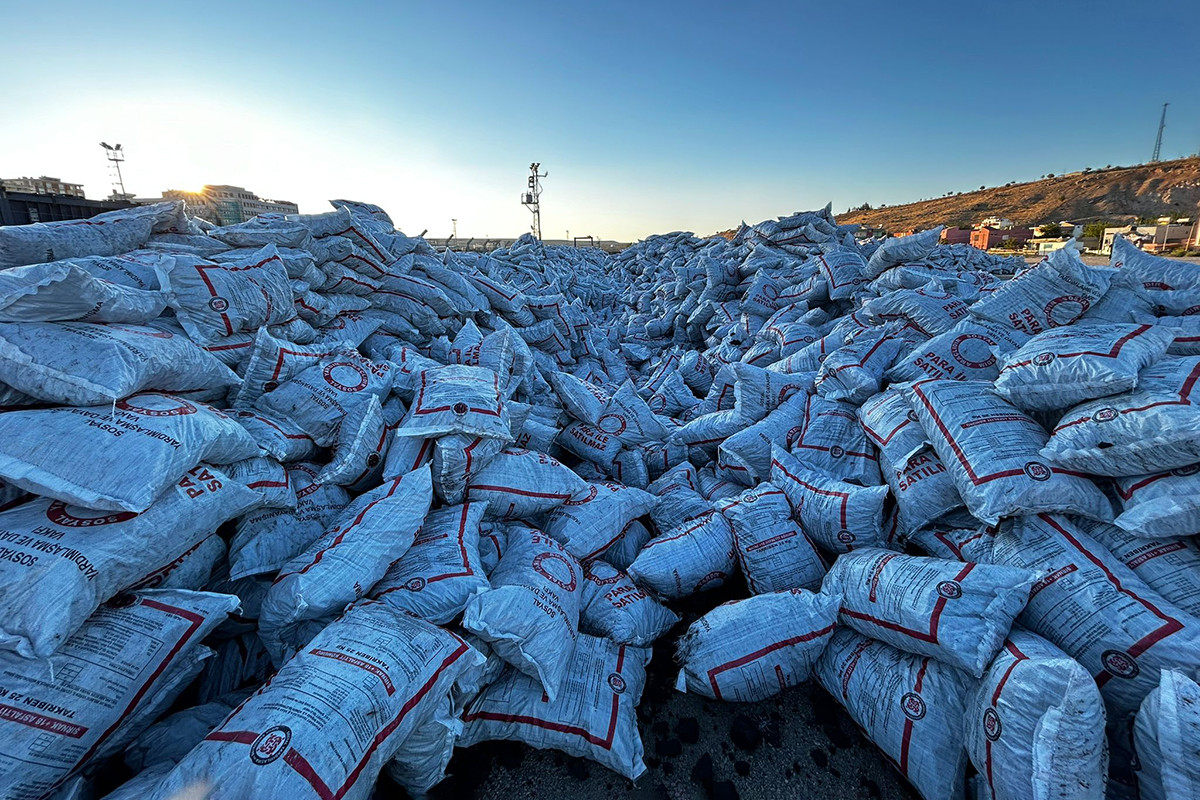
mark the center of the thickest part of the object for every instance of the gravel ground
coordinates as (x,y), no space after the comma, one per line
(798,744)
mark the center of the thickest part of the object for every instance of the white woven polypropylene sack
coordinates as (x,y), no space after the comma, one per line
(1056,292)
(772,551)
(273,361)
(615,608)
(590,522)
(843,269)
(595,717)
(320,396)
(912,707)
(442,569)
(1035,725)
(838,516)
(107,234)
(590,443)
(119,457)
(855,371)
(83,364)
(693,557)
(1163,504)
(746,455)
(214,300)
(171,738)
(628,544)
(342,566)
(994,452)
(63,292)
(420,763)
(892,426)
(328,721)
(279,438)
(751,649)
(970,351)
(530,616)
(457,458)
(1153,272)
(268,538)
(901,250)
(1097,610)
(457,399)
(1170,567)
(584,401)
(627,417)
(268,478)
(520,483)
(1166,734)
(956,613)
(923,489)
(832,441)
(361,444)
(81,558)
(128,655)
(1063,367)
(1151,429)
(929,310)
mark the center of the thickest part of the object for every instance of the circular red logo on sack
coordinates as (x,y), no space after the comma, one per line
(270,745)
(837,451)
(1037,470)
(657,402)
(415,584)
(913,706)
(460,408)
(546,564)
(983,360)
(181,409)
(1042,359)
(912,416)
(951,590)
(713,577)
(845,536)
(1120,664)
(794,434)
(1105,415)
(58,514)
(1074,305)
(346,377)
(373,459)
(270,386)
(589,571)
(612,423)
(576,500)
(218,304)
(991,724)
(616,683)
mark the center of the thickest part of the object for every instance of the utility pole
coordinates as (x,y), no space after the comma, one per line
(1162,123)
(530,199)
(115,155)
(454,229)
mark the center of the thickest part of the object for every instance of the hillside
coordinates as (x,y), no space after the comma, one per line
(1120,194)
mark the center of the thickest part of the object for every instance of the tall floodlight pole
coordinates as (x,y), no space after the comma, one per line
(454,229)
(1162,123)
(115,155)
(530,199)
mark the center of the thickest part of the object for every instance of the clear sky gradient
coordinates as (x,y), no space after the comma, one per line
(649,116)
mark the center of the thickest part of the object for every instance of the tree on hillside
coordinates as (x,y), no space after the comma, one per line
(1096,229)
(1050,229)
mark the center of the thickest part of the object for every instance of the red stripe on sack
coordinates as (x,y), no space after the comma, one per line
(908,722)
(1146,642)
(930,636)
(1113,352)
(757,654)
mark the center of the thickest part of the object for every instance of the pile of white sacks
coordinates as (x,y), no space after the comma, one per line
(291,504)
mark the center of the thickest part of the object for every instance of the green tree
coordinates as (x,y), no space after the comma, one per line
(1096,229)
(1051,229)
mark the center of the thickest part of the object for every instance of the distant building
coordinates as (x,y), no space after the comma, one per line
(25,208)
(42,185)
(228,205)
(1151,238)
(956,236)
(1046,246)
(999,223)
(987,237)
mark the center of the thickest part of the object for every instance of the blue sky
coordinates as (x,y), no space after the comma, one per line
(649,116)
